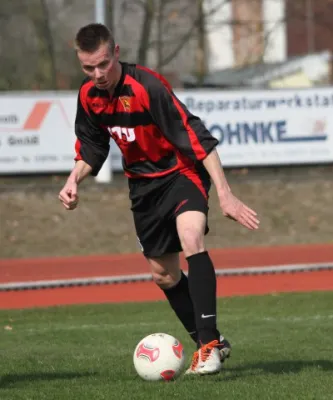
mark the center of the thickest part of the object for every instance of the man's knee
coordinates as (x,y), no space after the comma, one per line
(191,230)
(192,241)
(163,279)
(165,270)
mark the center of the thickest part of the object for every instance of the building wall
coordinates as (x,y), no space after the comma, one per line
(220,35)
(275,33)
(309,26)
(248,31)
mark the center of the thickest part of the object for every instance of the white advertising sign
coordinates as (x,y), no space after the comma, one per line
(272,127)
(267,127)
(37,133)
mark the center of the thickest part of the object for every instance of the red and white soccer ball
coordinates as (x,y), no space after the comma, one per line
(159,357)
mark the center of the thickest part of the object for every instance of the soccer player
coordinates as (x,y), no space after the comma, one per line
(169,158)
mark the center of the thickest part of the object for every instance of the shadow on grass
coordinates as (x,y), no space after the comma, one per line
(11,380)
(277,367)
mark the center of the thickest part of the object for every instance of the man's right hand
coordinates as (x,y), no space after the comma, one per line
(234,209)
(68,195)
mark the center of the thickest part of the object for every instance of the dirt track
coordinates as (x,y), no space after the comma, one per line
(294,204)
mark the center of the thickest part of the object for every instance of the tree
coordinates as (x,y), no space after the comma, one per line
(149,15)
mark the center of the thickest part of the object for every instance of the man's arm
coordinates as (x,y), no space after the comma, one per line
(92,148)
(68,195)
(92,142)
(79,172)
(231,206)
(213,165)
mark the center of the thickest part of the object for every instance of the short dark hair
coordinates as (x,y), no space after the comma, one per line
(91,36)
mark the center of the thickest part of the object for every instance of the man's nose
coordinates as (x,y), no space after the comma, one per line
(98,73)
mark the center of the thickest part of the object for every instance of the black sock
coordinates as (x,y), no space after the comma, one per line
(180,301)
(202,288)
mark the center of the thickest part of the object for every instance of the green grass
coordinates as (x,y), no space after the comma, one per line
(282,349)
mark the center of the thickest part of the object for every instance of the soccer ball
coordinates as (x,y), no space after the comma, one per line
(159,357)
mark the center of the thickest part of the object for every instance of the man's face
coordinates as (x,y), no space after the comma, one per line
(101,66)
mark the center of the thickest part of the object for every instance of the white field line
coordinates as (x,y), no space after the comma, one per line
(156,325)
(103,280)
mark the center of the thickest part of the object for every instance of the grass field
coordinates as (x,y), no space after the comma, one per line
(282,349)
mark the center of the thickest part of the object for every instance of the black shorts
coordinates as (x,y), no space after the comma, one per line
(157,202)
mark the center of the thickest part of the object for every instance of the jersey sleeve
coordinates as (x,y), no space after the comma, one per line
(92,142)
(183,129)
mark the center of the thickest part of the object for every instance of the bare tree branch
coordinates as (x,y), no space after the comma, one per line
(182,41)
(149,9)
(49,44)
(201,44)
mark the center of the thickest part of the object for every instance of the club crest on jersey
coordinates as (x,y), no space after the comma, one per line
(126,102)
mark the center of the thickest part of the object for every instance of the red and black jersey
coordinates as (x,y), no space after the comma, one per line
(155,132)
